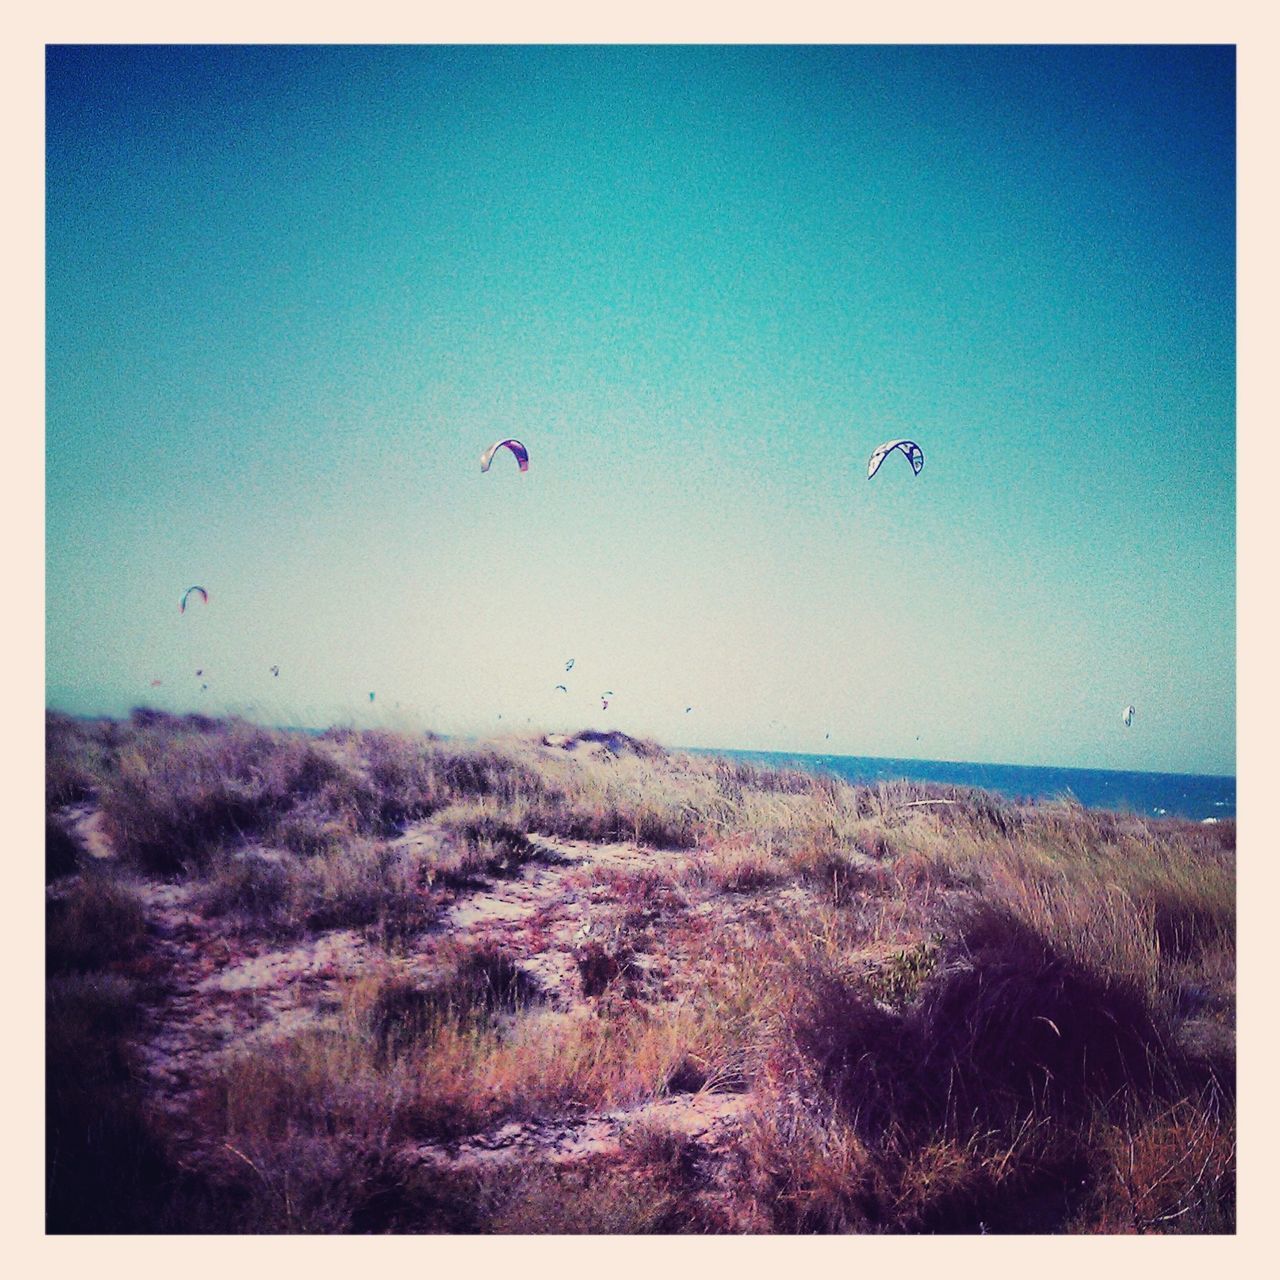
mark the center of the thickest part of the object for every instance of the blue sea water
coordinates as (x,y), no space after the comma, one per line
(1174,795)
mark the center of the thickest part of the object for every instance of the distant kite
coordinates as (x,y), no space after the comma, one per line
(199,671)
(155,684)
(687,710)
(370,696)
(275,671)
(914,455)
(568,666)
(562,688)
(186,595)
(520,452)
(1127,715)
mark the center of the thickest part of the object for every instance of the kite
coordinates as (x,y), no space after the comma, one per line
(204,595)
(1127,715)
(912,451)
(520,452)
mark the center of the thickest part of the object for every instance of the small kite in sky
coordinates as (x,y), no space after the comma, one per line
(520,452)
(186,595)
(914,455)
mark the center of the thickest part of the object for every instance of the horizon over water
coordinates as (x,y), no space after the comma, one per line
(1195,796)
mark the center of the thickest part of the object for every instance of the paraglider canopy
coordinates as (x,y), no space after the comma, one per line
(1127,715)
(912,451)
(568,666)
(562,688)
(520,452)
(186,595)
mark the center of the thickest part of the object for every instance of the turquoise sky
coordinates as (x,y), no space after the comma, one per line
(293,293)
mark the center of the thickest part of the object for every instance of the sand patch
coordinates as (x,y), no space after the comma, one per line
(705,1118)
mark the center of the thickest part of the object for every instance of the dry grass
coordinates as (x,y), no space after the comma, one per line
(599,1200)
(1166,1170)
(962,1016)
(77,757)
(362,883)
(97,923)
(178,794)
(61,850)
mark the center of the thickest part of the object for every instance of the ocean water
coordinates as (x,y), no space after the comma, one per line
(1173,795)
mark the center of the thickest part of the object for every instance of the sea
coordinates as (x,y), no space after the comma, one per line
(1199,797)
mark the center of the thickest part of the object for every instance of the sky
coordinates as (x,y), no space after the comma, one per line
(293,293)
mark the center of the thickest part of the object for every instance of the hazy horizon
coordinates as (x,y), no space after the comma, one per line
(293,294)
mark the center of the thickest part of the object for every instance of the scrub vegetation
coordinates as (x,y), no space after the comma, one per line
(372,982)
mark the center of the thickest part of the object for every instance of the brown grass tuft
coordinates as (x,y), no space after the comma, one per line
(99,922)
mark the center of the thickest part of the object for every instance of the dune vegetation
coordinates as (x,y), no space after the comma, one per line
(373,982)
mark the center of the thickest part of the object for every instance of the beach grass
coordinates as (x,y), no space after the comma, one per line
(910,1007)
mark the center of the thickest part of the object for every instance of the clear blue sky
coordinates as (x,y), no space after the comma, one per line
(294,293)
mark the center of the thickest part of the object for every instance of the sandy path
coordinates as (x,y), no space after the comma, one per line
(217,990)
(554,906)
(220,993)
(85,824)
(705,1118)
